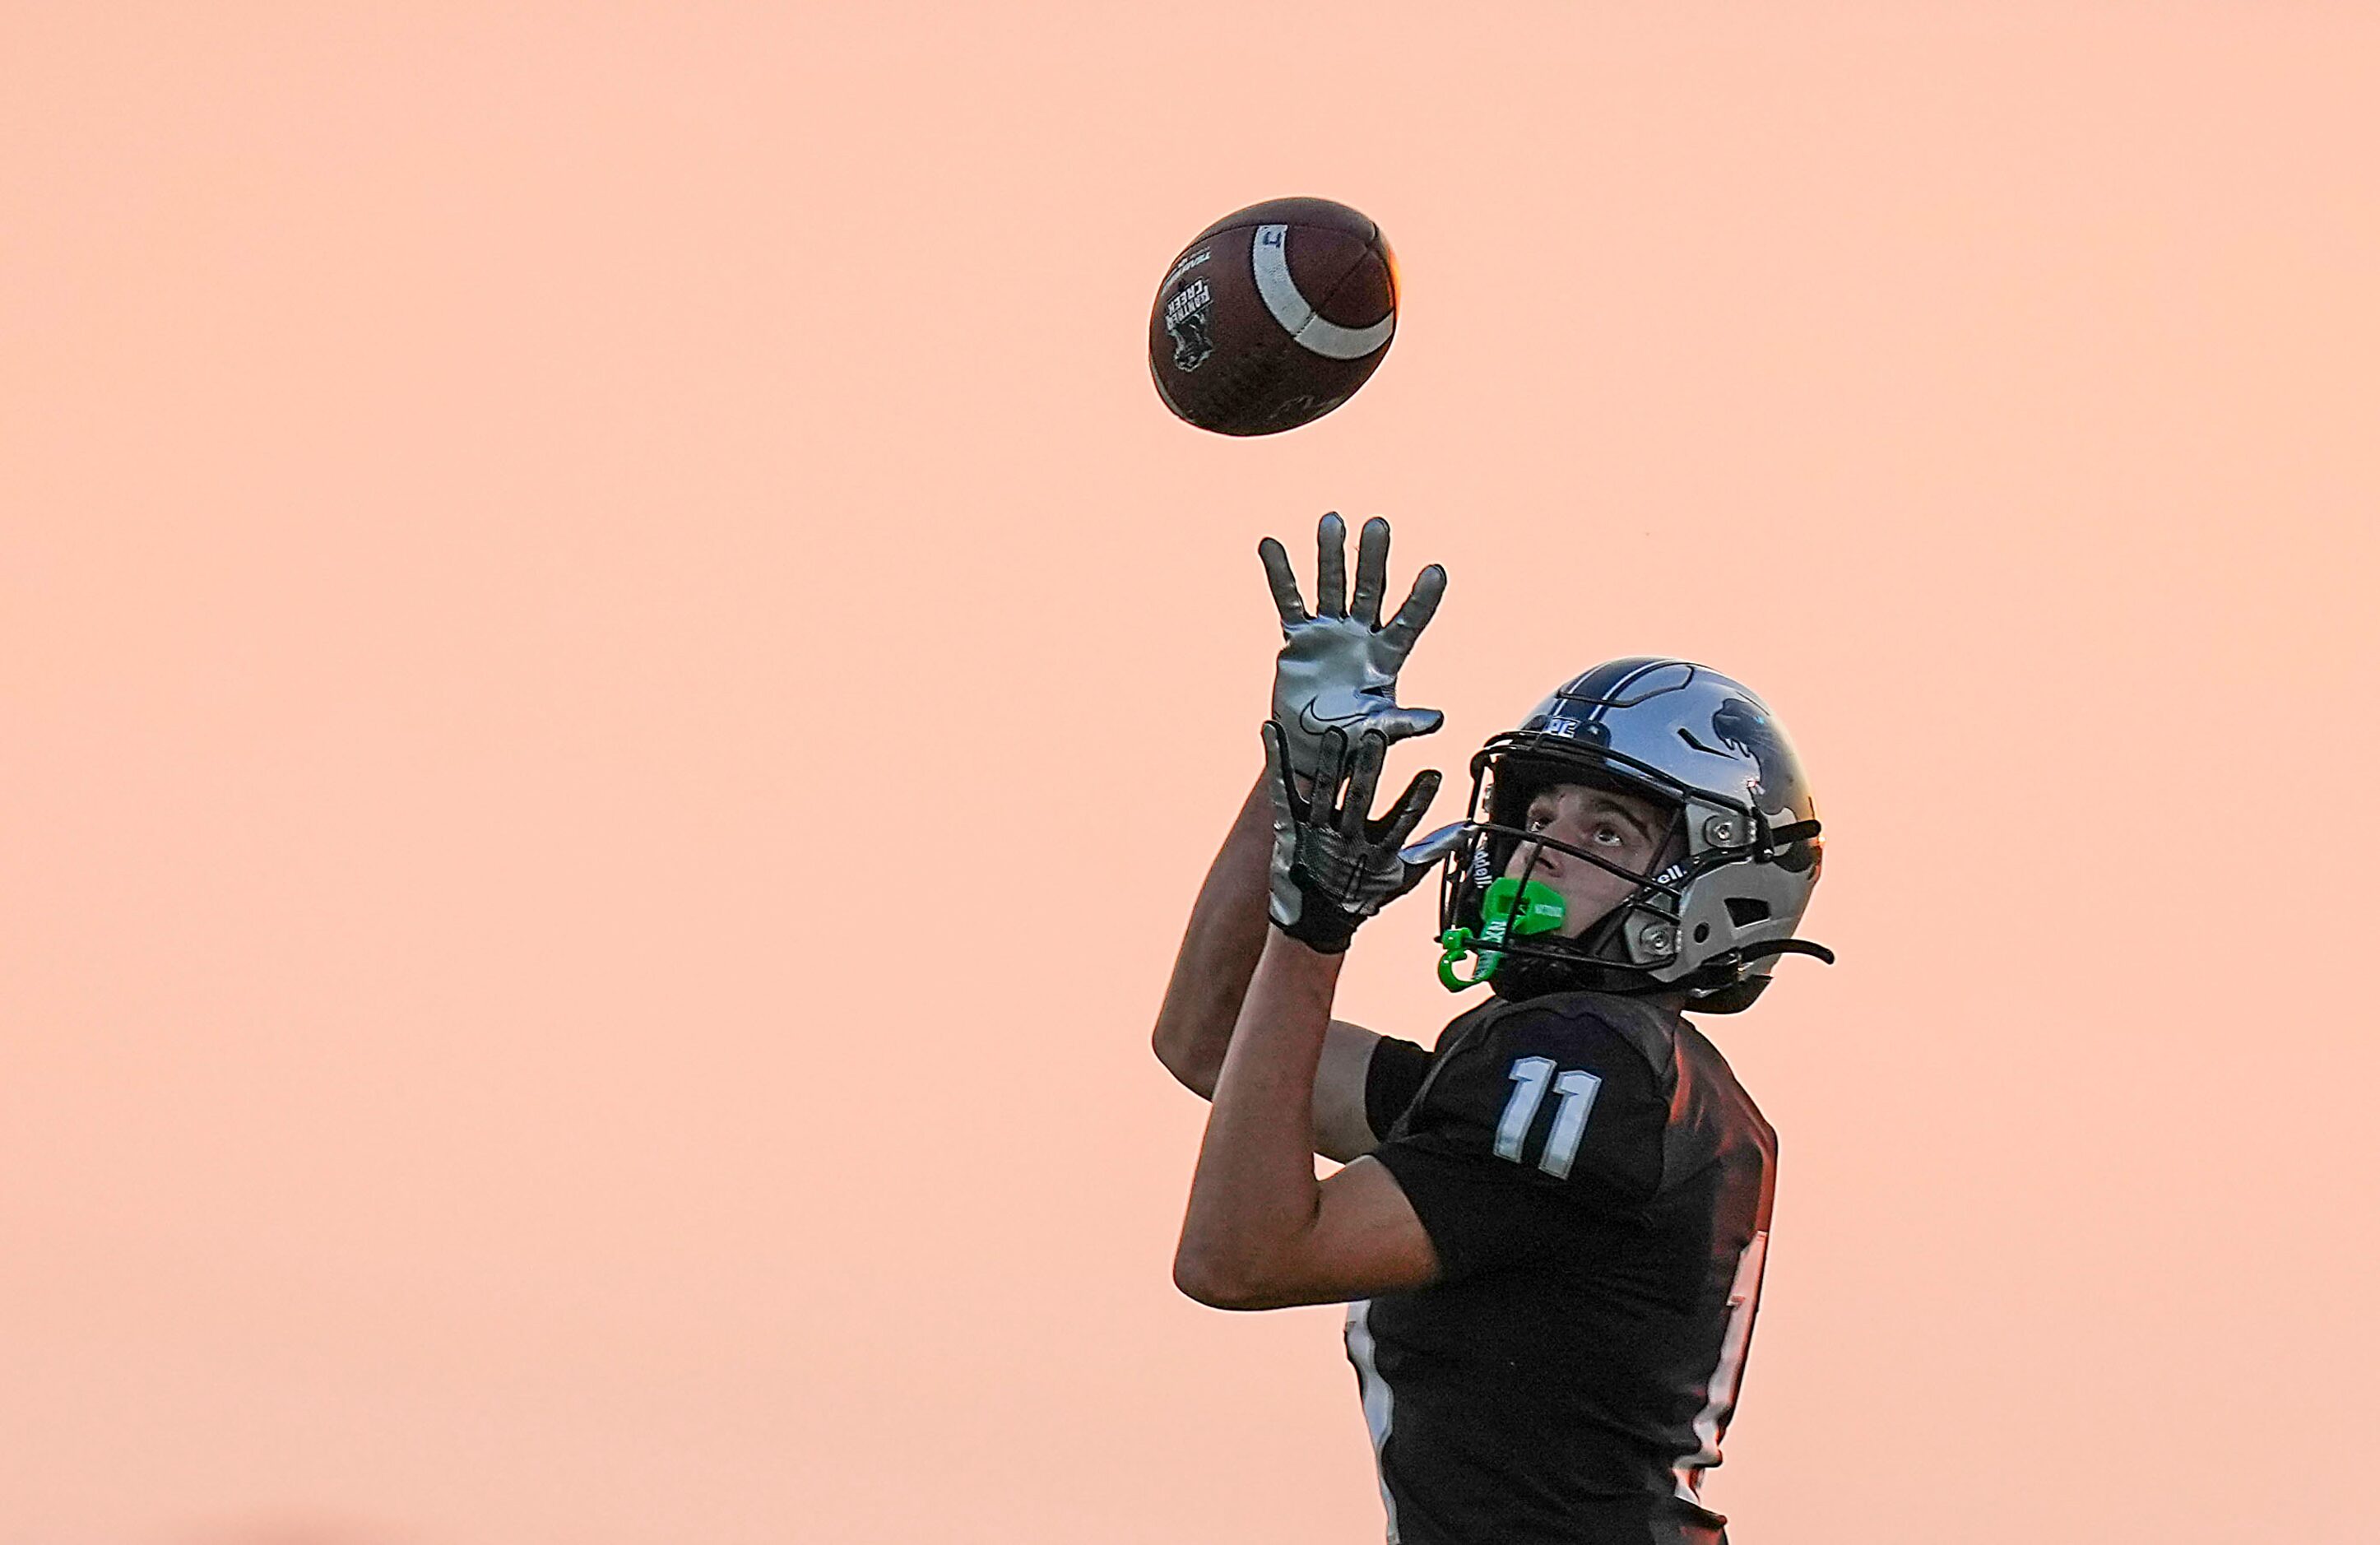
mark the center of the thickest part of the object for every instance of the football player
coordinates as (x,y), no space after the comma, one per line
(1549,1229)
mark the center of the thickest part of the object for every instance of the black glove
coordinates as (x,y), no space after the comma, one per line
(1331,866)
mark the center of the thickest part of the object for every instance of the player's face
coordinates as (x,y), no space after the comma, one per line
(1621,828)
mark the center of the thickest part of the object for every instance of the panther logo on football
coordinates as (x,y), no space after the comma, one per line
(1186,319)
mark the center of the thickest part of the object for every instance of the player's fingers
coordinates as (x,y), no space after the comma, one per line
(1371,572)
(1330,768)
(1277,779)
(1428,590)
(1403,723)
(1283,580)
(1363,782)
(1411,806)
(1330,570)
(1433,848)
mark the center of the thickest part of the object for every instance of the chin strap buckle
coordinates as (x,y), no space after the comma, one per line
(1511,908)
(1456,942)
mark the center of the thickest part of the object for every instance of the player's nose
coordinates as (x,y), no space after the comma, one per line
(1536,861)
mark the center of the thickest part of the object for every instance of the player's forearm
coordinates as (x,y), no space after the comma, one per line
(1218,952)
(1254,1197)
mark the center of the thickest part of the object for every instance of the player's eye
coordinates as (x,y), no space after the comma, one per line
(1608,836)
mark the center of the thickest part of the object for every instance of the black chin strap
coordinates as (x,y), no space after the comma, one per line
(1528,975)
(1778,947)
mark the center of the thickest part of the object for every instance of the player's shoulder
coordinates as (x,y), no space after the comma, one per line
(1568,1092)
(1618,1036)
(1625,1049)
(1708,1093)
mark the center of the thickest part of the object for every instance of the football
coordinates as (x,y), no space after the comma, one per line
(1272,317)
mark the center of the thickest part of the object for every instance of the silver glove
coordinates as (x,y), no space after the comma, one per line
(1338,666)
(1332,866)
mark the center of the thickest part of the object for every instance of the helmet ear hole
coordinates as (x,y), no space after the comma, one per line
(1744,911)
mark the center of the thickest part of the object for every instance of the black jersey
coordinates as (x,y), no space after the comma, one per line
(1597,1186)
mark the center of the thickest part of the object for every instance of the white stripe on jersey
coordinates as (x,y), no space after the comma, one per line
(1379,1405)
(1742,1299)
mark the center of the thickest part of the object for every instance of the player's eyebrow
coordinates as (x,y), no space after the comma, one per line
(1624,813)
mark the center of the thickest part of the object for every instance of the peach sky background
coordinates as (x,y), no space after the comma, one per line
(522,525)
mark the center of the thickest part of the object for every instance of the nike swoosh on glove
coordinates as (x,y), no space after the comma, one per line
(1338,665)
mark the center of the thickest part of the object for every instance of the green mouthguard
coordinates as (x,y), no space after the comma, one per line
(1510,910)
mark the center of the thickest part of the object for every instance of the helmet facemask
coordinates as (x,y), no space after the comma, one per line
(1724,888)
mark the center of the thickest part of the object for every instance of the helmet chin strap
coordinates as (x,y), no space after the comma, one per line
(1534,975)
(1592,970)
(1520,906)
(1751,952)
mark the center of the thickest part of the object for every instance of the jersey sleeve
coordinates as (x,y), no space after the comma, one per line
(1542,1122)
(1391,1080)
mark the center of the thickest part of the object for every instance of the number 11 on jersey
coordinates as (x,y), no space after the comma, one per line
(1530,1076)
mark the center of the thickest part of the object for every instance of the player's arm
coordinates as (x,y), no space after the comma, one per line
(1210,982)
(1547,1122)
(1338,667)
(1260,1231)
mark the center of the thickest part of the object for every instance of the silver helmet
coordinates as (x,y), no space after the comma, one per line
(1732,879)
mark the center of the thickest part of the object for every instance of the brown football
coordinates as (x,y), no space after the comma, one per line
(1273,317)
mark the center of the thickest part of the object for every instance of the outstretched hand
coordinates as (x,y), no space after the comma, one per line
(1338,663)
(1333,865)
